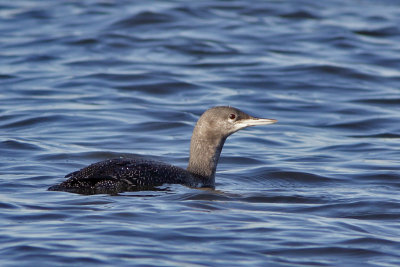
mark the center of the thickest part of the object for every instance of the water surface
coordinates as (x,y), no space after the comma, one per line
(83,81)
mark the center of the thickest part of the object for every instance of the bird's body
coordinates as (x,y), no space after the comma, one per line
(133,174)
(126,174)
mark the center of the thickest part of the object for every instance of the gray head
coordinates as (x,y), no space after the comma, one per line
(222,121)
(210,133)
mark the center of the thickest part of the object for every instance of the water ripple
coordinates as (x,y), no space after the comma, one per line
(83,81)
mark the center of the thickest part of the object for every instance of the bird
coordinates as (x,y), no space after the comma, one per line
(119,175)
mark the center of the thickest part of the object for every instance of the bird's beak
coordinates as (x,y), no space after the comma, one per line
(252,121)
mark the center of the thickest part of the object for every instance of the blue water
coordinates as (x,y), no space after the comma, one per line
(84,81)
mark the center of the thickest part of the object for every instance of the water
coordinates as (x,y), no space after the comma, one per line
(83,81)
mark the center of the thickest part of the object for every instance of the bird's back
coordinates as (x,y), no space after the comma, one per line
(124,174)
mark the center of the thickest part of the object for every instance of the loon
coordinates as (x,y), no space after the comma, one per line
(134,174)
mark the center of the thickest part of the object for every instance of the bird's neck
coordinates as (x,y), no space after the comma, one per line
(204,155)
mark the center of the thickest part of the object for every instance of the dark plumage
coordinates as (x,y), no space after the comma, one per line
(125,174)
(132,174)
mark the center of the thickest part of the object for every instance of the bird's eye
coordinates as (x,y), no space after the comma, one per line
(232,116)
